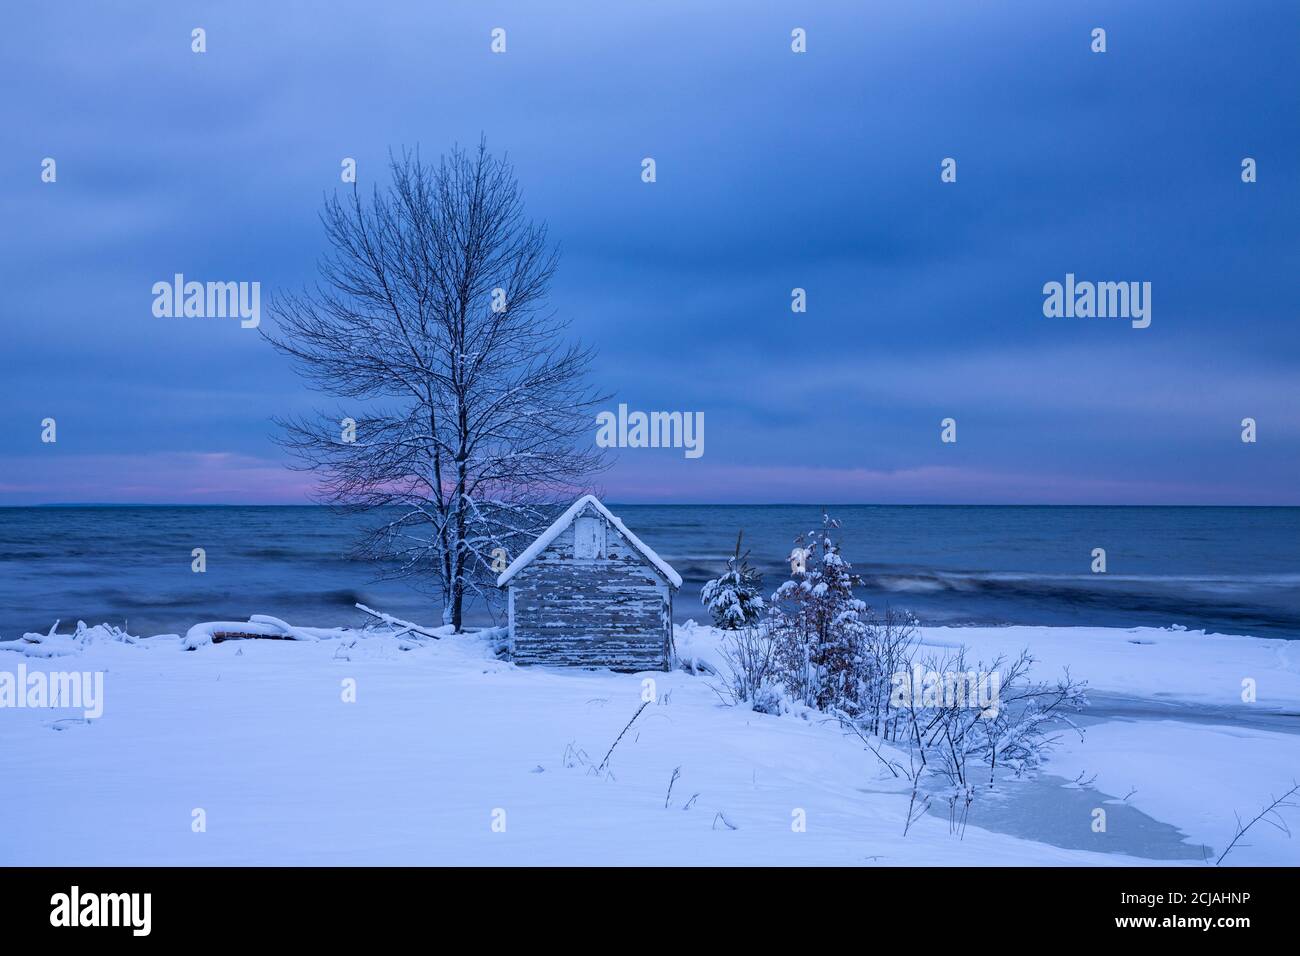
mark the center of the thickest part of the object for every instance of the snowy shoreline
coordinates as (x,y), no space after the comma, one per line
(441,735)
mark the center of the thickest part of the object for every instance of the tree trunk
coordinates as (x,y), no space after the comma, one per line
(460,555)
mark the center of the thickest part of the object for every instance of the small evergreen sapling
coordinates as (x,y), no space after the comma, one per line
(820,628)
(735,599)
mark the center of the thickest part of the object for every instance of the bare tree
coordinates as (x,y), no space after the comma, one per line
(471,413)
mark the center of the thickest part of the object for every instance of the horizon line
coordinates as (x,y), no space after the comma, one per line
(658,504)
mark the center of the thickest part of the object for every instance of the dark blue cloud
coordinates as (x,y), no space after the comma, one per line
(774,171)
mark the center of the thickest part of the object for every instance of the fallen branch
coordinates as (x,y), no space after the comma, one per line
(398,622)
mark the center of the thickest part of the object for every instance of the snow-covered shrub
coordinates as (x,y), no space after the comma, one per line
(888,647)
(819,627)
(822,647)
(735,599)
(955,745)
(749,661)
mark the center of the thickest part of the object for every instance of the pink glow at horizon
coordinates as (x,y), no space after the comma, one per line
(229,478)
(158,478)
(800,484)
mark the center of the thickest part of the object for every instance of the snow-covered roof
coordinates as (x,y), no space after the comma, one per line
(550,534)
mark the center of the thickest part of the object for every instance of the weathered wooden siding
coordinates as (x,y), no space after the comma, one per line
(613,610)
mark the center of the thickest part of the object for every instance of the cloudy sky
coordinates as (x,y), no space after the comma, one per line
(775,170)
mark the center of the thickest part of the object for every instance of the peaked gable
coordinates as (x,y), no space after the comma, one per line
(561,523)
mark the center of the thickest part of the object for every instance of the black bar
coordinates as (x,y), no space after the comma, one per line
(333,905)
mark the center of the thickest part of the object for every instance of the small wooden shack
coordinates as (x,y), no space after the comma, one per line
(589,593)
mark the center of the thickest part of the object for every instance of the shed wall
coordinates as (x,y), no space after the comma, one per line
(609,611)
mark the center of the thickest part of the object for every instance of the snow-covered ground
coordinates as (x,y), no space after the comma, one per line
(449,755)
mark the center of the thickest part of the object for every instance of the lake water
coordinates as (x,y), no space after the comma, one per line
(1232,570)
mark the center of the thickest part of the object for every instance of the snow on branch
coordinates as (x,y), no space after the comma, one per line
(403,626)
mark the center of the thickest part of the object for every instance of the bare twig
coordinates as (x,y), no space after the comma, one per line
(643,706)
(677,772)
(851,725)
(1269,815)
